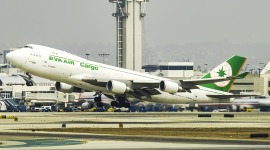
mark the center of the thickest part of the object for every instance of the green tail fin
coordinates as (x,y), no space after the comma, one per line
(231,67)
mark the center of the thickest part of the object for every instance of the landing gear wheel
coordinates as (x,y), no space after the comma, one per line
(29,83)
(97,99)
(114,104)
(99,104)
(127,105)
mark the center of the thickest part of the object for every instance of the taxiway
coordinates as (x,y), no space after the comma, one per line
(28,139)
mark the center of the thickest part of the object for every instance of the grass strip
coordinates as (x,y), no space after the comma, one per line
(232,133)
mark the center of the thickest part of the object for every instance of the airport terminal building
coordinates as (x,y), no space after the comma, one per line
(12,85)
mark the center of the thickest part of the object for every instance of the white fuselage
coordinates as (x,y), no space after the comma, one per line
(64,67)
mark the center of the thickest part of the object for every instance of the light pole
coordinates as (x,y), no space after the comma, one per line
(259,71)
(205,68)
(251,71)
(1,54)
(247,67)
(1,62)
(87,55)
(261,63)
(103,55)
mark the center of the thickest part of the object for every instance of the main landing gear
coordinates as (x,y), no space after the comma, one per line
(120,102)
(98,101)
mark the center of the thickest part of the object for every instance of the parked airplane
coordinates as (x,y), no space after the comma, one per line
(239,104)
(242,104)
(76,74)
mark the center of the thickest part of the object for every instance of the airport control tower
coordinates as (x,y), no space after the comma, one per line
(129,15)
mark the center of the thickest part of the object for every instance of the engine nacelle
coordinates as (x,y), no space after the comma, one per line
(169,87)
(117,87)
(66,88)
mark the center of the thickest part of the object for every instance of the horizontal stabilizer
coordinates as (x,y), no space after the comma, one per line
(230,96)
(189,83)
(242,75)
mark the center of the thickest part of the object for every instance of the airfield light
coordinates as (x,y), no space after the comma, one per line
(87,55)
(103,55)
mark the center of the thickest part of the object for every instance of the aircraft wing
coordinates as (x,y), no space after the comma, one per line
(191,83)
(140,87)
(101,83)
(134,84)
(230,96)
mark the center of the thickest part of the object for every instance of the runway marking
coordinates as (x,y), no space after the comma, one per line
(41,143)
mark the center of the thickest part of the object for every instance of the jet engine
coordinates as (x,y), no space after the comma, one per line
(117,87)
(66,88)
(169,87)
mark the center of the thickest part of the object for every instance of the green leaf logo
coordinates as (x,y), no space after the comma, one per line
(223,70)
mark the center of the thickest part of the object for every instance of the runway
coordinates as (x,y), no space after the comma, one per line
(51,140)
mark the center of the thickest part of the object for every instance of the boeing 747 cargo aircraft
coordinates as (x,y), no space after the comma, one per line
(76,74)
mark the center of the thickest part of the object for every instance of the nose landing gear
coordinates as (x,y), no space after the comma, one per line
(28,79)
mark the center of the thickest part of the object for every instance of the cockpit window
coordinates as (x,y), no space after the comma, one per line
(28,47)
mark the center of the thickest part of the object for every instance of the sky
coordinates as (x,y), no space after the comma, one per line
(201,31)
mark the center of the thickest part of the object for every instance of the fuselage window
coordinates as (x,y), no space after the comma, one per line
(28,47)
(35,55)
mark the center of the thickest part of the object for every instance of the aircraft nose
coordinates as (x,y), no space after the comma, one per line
(9,56)
(14,57)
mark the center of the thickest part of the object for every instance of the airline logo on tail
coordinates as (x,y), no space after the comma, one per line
(231,67)
(222,70)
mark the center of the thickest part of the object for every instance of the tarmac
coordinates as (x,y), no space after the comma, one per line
(13,138)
